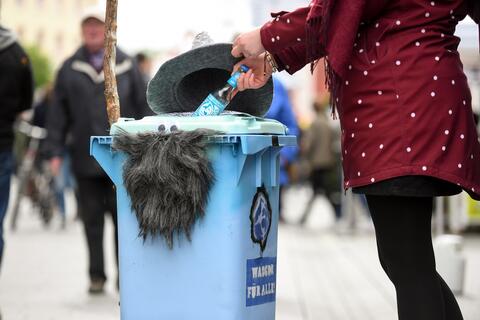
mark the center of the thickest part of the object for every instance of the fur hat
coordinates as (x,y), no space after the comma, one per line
(182,83)
(168,177)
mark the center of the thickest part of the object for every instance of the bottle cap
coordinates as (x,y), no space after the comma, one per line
(244,68)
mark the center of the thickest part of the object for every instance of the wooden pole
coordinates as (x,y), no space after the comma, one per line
(111,93)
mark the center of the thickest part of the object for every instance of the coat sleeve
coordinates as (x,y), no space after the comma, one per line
(284,37)
(58,119)
(26,83)
(285,30)
(292,59)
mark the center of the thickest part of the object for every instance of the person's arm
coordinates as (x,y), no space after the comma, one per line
(292,59)
(287,29)
(306,142)
(57,121)
(284,37)
(27,85)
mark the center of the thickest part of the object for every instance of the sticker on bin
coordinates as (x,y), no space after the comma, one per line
(261,280)
(260,218)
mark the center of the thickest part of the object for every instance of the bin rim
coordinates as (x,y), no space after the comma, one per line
(229,123)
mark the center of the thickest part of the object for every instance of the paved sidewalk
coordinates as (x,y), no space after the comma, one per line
(321,275)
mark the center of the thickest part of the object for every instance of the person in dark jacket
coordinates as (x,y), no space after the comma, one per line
(78,109)
(16,95)
(318,146)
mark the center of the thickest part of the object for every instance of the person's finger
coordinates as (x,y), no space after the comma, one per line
(237,51)
(251,81)
(247,54)
(254,82)
(235,42)
(240,83)
(234,93)
(248,76)
(259,81)
(245,82)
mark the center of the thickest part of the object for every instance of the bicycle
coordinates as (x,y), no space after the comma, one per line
(35,180)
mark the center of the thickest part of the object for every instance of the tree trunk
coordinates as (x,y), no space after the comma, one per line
(111,93)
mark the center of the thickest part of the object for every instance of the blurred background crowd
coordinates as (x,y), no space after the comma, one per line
(151,32)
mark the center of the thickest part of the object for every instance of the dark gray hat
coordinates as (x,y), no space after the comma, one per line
(182,83)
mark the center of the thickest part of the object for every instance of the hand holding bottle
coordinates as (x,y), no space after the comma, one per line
(217,101)
(258,74)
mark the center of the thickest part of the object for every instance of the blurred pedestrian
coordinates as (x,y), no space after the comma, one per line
(145,65)
(16,95)
(79,109)
(64,179)
(404,104)
(282,111)
(318,149)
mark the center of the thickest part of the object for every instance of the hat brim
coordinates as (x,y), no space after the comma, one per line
(182,83)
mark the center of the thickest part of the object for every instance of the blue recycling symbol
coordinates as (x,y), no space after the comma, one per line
(261,218)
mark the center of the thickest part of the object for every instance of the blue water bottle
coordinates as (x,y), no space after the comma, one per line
(217,101)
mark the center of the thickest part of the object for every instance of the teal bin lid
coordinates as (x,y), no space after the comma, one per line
(226,123)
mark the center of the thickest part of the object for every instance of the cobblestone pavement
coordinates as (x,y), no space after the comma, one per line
(322,274)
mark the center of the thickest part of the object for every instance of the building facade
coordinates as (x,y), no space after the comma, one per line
(52,25)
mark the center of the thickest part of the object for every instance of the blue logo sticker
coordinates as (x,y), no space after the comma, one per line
(260,218)
(209,107)
(261,280)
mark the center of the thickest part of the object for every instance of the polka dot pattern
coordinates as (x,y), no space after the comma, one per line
(434,101)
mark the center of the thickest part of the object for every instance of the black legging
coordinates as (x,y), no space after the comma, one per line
(404,241)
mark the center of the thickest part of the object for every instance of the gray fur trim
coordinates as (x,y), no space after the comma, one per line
(168,178)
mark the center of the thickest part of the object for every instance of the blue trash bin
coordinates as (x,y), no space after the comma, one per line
(228,269)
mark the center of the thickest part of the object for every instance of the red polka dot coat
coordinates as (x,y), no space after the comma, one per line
(405,105)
